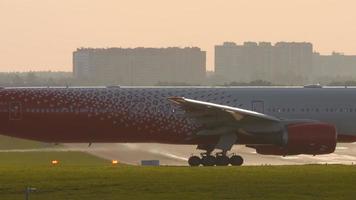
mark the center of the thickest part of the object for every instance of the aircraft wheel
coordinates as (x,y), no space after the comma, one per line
(236,160)
(194,161)
(208,160)
(222,160)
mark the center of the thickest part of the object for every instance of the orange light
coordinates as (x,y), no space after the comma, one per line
(55,162)
(115,162)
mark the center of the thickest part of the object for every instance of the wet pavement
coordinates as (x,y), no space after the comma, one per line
(179,154)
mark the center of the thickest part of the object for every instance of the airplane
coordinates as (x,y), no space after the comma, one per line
(273,120)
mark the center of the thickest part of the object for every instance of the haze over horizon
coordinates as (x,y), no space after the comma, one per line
(42,34)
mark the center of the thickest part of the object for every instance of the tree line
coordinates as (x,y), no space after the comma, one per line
(51,78)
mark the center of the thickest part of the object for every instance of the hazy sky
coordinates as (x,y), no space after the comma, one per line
(42,34)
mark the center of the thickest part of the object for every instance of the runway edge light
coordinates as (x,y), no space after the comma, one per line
(54,162)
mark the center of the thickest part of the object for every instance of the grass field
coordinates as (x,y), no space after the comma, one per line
(15,143)
(81,176)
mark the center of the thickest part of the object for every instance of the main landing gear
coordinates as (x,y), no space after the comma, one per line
(220,159)
(225,144)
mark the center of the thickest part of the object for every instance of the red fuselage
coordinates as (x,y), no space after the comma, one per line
(145,114)
(94,115)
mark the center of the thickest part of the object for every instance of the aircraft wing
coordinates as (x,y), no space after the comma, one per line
(220,119)
(223,121)
(194,106)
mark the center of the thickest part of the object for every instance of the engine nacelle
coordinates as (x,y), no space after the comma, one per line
(307,138)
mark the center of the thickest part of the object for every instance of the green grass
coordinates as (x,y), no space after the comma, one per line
(7,143)
(81,176)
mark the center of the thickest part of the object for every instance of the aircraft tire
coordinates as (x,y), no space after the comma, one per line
(236,160)
(208,160)
(194,161)
(222,160)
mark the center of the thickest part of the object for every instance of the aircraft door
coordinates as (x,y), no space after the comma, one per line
(15,111)
(258,106)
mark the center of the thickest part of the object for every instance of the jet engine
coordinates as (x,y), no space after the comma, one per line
(305,138)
